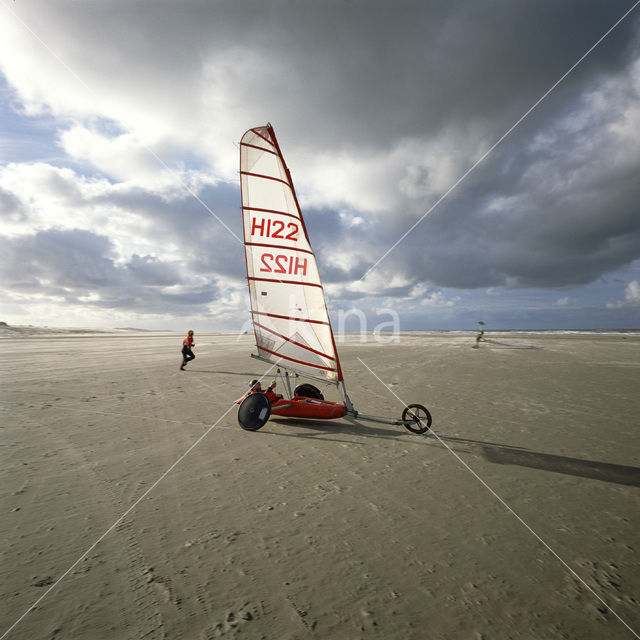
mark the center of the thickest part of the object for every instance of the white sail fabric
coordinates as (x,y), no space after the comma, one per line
(289,313)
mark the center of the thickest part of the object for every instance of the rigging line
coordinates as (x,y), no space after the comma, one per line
(504,504)
(468,171)
(142,144)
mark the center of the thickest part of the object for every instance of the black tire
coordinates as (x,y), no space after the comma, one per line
(308,391)
(254,411)
(420,416)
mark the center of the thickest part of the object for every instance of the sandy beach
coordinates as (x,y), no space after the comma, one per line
(134,506)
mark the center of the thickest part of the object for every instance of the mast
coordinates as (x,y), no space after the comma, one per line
(295,197)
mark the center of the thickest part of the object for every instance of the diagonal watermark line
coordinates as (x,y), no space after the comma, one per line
(127,512)
(490,150)
(507,507)
(115,524)
(175,175)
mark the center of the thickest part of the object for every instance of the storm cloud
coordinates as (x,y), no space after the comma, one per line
(379,111)
(80,267)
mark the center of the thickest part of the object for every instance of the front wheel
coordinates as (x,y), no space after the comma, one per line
(254,411)
(416,418)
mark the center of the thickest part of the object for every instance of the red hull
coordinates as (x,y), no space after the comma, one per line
(299,407)
(302,407)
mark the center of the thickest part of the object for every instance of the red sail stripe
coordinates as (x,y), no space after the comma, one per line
(298,344)
(261,175)
(281,213)
(302,284)
(253,146)
(306,364)
(275,315)
(276,246)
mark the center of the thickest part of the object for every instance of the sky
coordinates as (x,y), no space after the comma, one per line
(119,131)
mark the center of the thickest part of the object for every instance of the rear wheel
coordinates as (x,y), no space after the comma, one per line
(254,411)
(308,391)
(419,416)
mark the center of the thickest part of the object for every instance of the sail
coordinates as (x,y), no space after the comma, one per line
(288,309)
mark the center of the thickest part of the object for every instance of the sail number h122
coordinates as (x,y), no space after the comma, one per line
(291,265)
(267,228)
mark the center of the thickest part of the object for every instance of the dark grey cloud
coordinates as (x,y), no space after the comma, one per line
(383,74)
(149,270)
(349,74)
(574,218)
(60,259)
(72,265)
(566,219)
(556,207)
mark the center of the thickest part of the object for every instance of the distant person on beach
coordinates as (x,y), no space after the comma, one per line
(256,387)
(187,354)
(480,336)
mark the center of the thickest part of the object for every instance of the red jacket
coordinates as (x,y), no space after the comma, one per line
(188,341)
(270,393)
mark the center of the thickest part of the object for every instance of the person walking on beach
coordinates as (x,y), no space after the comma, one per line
(187,354)
(480,336)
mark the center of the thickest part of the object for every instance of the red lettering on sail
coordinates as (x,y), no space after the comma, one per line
(278,233)
(283,264)
(255,226)
(300,265)
(263,259)
(293,234)
(267,228)
(281,268)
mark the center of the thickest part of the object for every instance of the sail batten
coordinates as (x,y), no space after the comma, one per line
(292,318)
(253,146)
(260,175)
(291,322)
(302,362)
(281,213)
(292,282)
(277,246)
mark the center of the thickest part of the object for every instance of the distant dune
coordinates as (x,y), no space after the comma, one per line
(7,330)
(144,330)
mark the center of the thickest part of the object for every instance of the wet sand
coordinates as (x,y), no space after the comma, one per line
(518,517)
